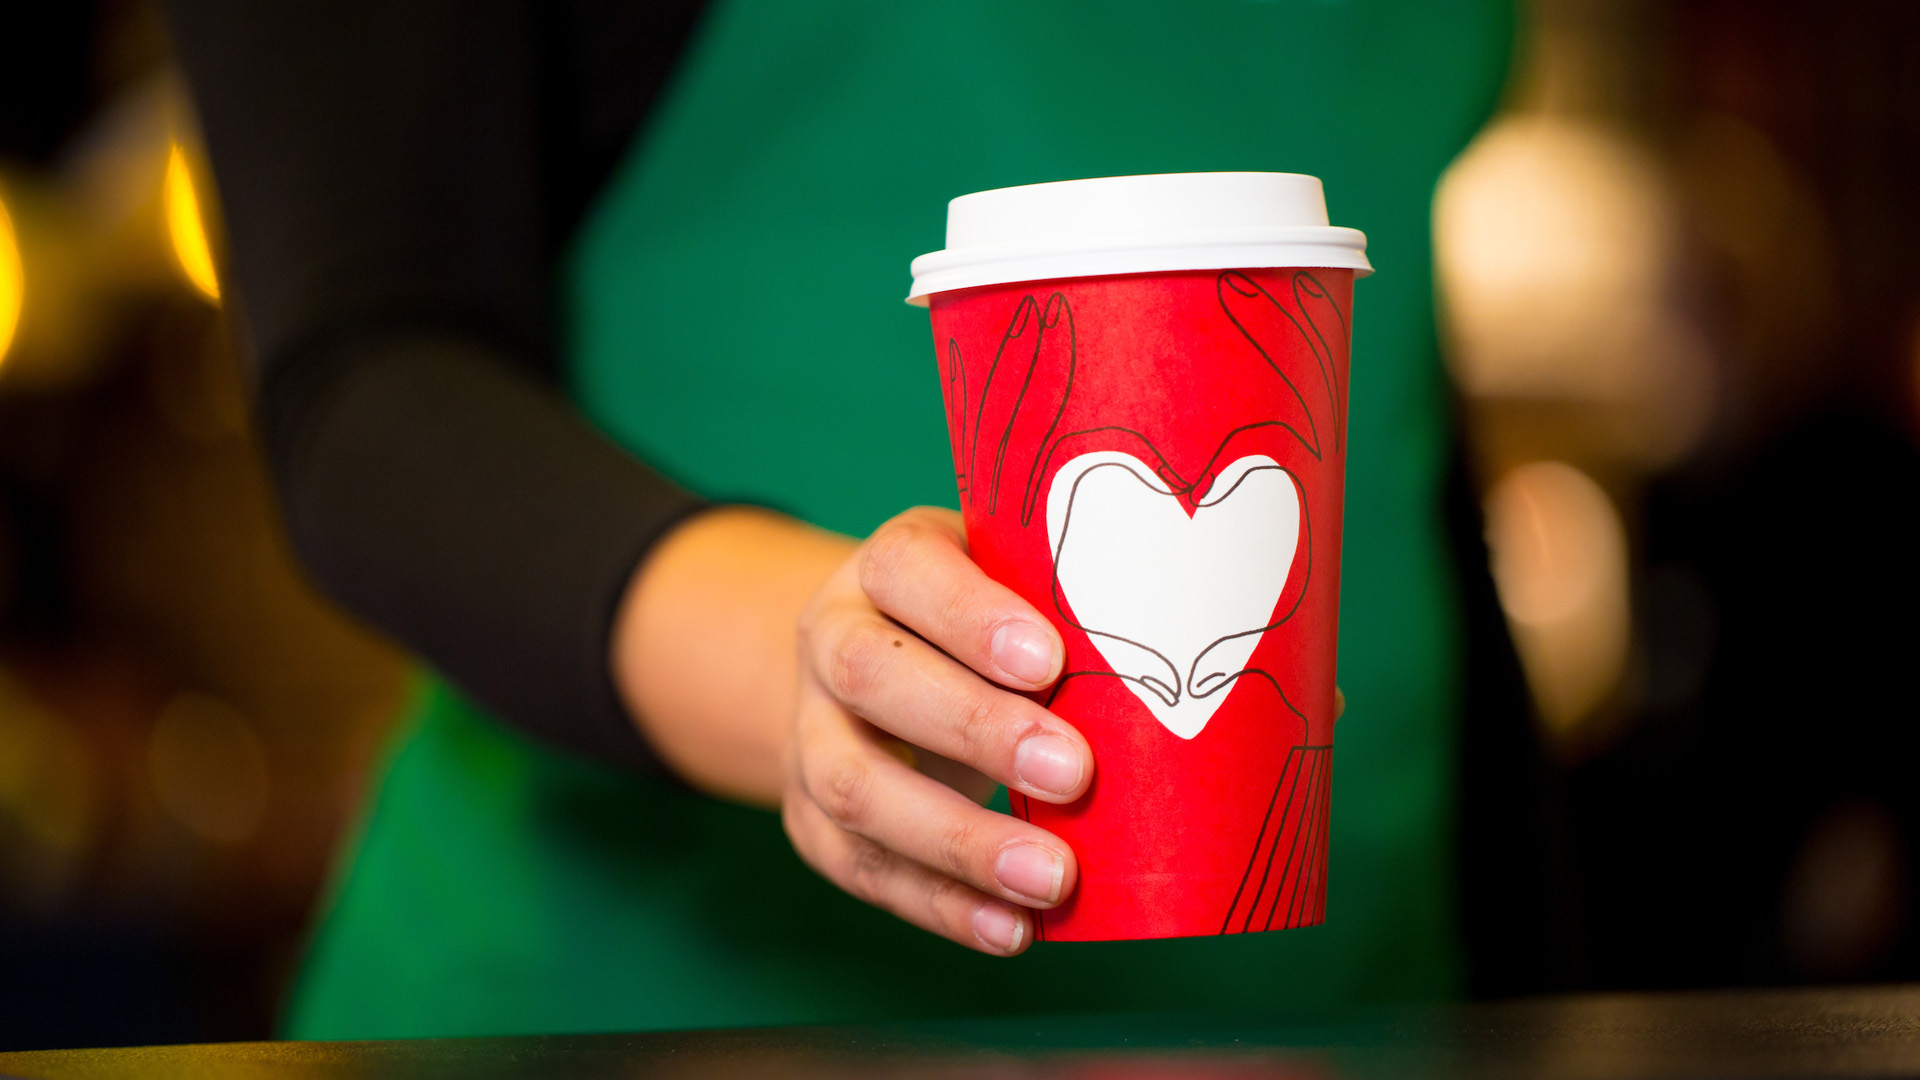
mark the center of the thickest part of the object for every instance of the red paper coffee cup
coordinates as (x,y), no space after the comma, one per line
(1146,389)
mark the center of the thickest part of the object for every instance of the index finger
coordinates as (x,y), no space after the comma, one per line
(916,570)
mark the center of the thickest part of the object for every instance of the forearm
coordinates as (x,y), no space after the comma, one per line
(704,646)
(443,496)
(388,174)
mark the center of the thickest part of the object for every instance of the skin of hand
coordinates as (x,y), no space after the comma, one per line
(866,690)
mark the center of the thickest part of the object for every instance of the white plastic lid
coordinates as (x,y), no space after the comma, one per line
(1137,224)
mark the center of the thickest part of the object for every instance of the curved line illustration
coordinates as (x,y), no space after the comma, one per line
(1164,471)
(1310,839)
(1302,846)
(1013,416)
(1023,314)
(1302,779)
(1192,685)
(1331,363)
(1295,849)
(1260,838)
(1313,866)
(1259,673)
(1057,309)
(1230,280)
(1266,872)
(1305,578)
(1160,690)
(1304,772)
(956,414)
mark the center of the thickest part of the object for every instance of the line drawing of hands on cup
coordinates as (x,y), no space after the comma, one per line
(1298,892)
(1026,390)
(1264,322)
(1022,401)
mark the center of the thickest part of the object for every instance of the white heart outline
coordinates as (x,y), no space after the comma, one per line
(1218,607)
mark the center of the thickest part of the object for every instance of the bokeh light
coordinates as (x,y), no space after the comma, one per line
(1554,242)
(1551,237)
(209,769)
(12,281)
(1560,563)
(1847,891)
(186,226)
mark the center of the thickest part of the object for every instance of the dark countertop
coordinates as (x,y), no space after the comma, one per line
(1856,1032)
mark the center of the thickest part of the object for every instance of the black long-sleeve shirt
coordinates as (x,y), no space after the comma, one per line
(397,180)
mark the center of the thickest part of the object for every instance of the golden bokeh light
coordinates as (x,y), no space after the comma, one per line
(209,769)
(186,226)
(1555,241)
(1551,239)
(13,284)
(1559,554)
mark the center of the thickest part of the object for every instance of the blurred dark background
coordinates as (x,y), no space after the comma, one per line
(1684,324)
(1683,319)
(184,726)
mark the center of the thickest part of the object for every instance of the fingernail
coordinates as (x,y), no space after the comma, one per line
(1030,870)
(1049,763)
(1023,651)
(998,927)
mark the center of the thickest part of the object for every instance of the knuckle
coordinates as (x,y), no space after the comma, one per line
(867,871)
(958,848)
(855,661)
(965,616)
(844,791)
(978,727)
(986,728)
(942,910)
(889,553)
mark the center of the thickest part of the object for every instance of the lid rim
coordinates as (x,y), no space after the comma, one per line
(970,268)
(1136,224)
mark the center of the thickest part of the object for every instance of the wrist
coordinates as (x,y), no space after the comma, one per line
(703,649)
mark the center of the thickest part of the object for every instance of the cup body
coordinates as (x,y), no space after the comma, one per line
(1156,462)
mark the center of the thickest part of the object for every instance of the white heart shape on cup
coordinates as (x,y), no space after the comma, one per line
(1158,591)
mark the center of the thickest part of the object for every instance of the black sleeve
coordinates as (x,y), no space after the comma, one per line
(387,172)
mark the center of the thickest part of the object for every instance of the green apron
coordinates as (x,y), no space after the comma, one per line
(736,319)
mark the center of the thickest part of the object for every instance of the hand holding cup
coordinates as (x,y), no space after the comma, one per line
(907,717)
